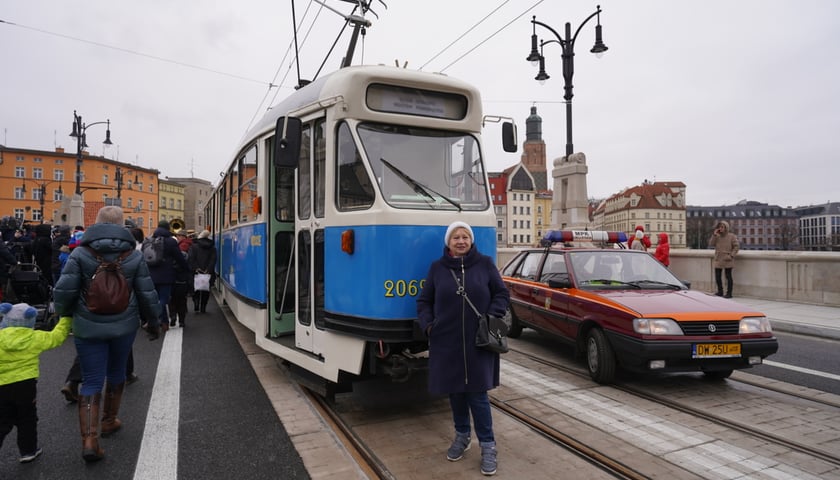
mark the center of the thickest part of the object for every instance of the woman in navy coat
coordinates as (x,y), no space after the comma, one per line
(456,366)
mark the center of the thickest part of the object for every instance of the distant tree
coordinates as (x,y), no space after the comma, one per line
(788,234)
(698,230)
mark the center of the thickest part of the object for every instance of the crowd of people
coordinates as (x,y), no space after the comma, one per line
(66,260)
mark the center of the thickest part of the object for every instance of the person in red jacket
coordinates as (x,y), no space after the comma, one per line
(639,235)
(663,250)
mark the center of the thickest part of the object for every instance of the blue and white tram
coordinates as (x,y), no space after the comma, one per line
(326,236)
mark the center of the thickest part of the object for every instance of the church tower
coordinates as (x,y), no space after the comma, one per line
(533,151)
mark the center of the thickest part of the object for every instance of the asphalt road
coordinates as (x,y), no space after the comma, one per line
(220,424)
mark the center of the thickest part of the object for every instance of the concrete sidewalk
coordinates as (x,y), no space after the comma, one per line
(802,318)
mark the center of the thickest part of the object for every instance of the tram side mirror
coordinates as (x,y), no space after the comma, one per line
(509,142)
(287,142)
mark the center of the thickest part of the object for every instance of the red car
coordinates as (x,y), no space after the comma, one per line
(625,309)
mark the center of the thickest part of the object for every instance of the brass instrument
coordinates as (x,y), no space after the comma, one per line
(176,224)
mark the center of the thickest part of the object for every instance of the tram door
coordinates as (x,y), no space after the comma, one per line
(309,241)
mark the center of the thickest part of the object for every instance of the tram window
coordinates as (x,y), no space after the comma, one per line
(233,194)
(354,189)
(304,200)
(248,190)
(284,188)
(319,164)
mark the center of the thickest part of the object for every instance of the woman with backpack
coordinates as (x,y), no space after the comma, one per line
(104,340)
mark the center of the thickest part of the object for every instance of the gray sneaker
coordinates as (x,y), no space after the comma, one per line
(460,445)
(488,458)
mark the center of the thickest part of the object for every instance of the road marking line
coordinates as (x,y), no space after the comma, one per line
(802,370)
(158,456)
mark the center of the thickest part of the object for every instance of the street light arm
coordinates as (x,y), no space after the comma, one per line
(584,23)
(559,38)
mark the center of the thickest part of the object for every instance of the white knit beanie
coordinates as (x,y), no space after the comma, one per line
(451,229)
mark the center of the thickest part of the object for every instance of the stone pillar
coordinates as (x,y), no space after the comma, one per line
(570,205)
(77,211)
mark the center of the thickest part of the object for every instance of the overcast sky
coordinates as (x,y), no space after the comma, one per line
(737,99)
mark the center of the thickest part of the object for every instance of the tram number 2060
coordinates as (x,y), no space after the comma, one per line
(402,288)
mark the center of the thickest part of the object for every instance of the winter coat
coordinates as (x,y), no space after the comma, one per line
(663,250)
(42,250)
(164,274)
(726,247)
(109,240)
(645,241)
(455,363)
(202,255)
(7,259)
(63,238)
(21,347)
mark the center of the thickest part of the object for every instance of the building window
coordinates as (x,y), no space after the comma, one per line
(58,174)
(20,172)
(38,173)
(19,213)
(19,194)
(104,179)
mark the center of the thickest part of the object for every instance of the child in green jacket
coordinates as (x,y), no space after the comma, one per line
(20,349)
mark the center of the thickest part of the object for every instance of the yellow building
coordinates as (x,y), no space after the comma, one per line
(171,202)
(36,186)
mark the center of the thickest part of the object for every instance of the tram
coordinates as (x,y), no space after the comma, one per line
(336,203)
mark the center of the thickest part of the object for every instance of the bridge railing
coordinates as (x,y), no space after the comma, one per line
(805,277)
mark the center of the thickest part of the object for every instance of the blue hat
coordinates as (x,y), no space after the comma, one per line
(18,315)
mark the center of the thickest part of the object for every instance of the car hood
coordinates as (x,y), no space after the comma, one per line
(684,305)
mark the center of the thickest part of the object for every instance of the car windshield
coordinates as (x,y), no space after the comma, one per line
(425,169)
(621,269)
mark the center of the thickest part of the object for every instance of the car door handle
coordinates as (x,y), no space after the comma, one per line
(535,291)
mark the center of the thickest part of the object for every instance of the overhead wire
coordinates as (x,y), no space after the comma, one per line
(491,35)
(139,54)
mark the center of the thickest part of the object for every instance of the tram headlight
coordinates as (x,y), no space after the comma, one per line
(755,325)
(656,326)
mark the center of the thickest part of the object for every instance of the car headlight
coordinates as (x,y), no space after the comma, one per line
(656,326)
(754,325)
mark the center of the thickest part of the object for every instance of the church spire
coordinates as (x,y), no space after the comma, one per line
(533,126)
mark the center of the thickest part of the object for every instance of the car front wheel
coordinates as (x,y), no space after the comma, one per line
(600,357)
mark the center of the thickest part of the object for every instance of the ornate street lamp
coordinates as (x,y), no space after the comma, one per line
(79,133)
(568,45)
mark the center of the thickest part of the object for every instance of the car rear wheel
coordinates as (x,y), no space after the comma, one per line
(515,327)
(600,357)
(718,374)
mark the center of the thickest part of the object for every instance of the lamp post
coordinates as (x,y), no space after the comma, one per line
(42,190)
(79,129)
(568,46)
(77,205)
(119,178)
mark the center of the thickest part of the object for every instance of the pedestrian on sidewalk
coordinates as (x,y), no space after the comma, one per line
(202,259)
(726,246)
(183,283)
(457,367)
(103,341)
(163,274)
(20,349)
(663,250)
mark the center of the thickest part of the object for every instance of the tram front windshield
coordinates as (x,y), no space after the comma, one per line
(427,169)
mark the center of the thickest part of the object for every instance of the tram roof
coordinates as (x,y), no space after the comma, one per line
(356,79)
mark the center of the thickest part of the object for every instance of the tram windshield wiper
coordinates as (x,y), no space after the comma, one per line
(417,186)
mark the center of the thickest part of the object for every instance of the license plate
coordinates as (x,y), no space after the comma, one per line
(715,350)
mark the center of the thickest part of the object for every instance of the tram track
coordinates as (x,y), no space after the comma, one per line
(579,448)
(742,427)
(367,461)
